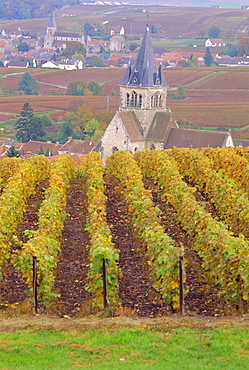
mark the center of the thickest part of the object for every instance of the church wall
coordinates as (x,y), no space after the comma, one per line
(115,136)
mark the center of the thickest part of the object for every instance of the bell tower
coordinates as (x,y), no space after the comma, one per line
(143,89)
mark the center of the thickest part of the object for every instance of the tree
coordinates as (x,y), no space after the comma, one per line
(46,120)
(23,47)
(74,27)
(28,126)
(156,28)
(90,129)
(232,51)
(214,32)
(97,62)
(12,152)
(78,56)
(76,88)
(28,84)
(179,94)
(192,62)
(95,87)
(88,28)
(74,47)
(208,59)
(243,47)
(201,32)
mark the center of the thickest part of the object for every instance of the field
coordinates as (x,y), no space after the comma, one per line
(137,215)
(143,346)
(215,97)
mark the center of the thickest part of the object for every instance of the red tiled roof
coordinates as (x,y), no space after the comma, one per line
(186,138)
(131,125)
(74,146)
(34,147)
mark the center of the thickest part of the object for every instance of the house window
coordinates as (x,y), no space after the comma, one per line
(152,147)
(114,149)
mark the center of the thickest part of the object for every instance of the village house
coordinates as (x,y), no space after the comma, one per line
(214,43)
(79,147)
(117,30)
(143,120)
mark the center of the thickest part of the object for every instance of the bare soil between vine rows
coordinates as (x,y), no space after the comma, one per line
(140,302)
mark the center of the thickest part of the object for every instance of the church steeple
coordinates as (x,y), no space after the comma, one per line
(51,27)
(143,89)
(144,73)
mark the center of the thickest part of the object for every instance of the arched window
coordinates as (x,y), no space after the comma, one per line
(127,100)
(114,149)
(152,101)
(140,101)
(152,147)
(133,99)
(156,100)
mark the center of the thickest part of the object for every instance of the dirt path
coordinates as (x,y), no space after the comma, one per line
(73,261)
(95,322)
(136,290)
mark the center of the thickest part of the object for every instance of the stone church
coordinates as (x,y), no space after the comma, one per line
(55,39)
(143,120)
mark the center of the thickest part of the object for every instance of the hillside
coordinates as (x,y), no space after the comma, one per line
(183,22)
(214,97)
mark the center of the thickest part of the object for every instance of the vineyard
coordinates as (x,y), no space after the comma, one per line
(115,236)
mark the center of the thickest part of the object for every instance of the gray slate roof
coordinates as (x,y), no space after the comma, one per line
(144,73)
(51,22)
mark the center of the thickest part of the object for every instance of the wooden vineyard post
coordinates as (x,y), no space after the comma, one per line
(182,308)
(34,285)
(105,287)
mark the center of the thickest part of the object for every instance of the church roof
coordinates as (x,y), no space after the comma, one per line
(131,125)
(186,138)
(159,126)
(144,73)
(51,22)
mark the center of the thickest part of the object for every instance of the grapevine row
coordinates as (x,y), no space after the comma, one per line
(44,243)
(8,166)
(101,245)
(231,203)
(232,164)
(14,199)
(163,256)
(225,258)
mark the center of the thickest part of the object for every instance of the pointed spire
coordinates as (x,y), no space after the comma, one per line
(144,73)
(51,22)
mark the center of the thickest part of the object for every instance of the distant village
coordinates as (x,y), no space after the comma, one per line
(19,49)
